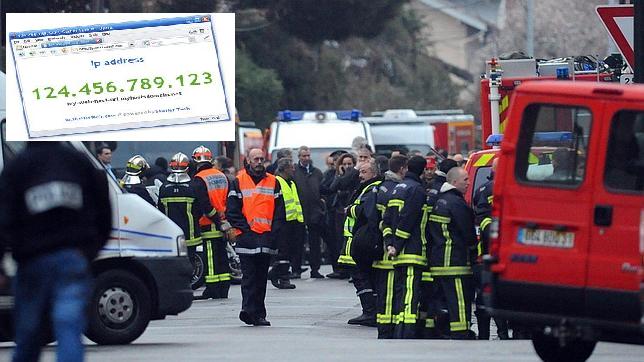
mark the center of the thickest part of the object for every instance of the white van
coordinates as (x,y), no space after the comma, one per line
(401,129)
(322,131)
(143,272)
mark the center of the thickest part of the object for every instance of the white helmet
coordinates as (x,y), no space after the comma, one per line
(202,154)
(179,164)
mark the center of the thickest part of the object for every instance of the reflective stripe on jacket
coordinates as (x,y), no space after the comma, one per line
(217,185)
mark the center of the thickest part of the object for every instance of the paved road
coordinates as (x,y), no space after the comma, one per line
(309,324)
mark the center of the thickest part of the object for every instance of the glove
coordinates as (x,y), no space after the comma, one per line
(225,225)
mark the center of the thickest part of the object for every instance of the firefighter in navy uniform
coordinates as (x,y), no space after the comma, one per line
(255,208)
(181,202)
(482,203)
(363,235)
(291,234)
(452,236)
(432,322)
(384,266)
(132,180)
(408,247)
(213,182)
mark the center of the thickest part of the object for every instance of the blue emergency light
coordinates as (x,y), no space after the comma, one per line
(494,139)
(345,115)
(563,73)
(553,137)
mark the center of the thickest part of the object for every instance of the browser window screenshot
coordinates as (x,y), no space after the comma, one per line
(119,75)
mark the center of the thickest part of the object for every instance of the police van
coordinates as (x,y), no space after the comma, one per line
(322,131)
(141,274)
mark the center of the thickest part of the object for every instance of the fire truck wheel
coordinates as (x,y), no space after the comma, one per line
(120,308)
(549,349)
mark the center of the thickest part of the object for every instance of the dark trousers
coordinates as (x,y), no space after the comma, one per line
(217,268)
(364,277)
(406,300)
(286,249)
(314,235)
(385,303)
(430,304)
(335,235)
(253,285)
(482,316)
(292,240)
(458,293)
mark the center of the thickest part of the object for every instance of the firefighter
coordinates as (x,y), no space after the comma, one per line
(482,202)
(452,235)
(255,208)
(432,321)
(180,201)
(291,234)
(213,182)
(132,180)
(361,228)
(384,266)
(408,248)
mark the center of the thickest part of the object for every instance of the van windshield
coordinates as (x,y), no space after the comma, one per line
(554,144)
(318,156)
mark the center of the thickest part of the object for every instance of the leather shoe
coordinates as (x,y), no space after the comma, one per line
(316,275)
(284,284)
(261,322)
(246,318)
(337,275)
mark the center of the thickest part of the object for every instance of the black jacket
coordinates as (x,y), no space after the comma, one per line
(250,242)
(52,197)
(140,190)
(389,216)
(345,186)
(308,189)
(482,203)
(435,190)
(184,204)
(409,237)
(452,234)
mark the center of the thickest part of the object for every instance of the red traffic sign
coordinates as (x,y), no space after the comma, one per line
(618,21)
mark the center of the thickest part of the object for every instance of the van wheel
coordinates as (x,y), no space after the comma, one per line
(198,275)
(549,350)
(120,308)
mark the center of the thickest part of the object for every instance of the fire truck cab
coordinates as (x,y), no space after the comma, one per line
(566,253)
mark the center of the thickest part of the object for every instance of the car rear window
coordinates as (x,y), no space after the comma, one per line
(624,170)
(553,145)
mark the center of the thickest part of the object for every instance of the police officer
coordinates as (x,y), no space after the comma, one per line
(452,235)
(408,248)
(132,182)
(361,229)
(482,202)
(255,208)
(291,234)
(180,200)
(384,266)
(211,181)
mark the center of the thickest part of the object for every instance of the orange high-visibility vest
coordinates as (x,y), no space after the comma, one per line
(258,201)
(217,184)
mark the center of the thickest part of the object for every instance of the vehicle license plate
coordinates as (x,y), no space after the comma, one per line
(549,238)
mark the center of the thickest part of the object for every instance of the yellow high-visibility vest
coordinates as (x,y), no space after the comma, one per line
(291,200)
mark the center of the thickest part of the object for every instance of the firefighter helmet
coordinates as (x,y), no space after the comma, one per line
(179,163)
(136,165)
(202,154)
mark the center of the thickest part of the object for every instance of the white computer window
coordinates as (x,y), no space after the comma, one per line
(121,75)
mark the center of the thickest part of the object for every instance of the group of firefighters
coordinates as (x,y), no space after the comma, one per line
(410,244)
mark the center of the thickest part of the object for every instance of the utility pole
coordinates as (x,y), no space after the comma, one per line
(638,38)
(529,34)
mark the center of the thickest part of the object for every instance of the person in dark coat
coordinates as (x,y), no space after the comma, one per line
(308,179)
(133,182)
(55,214)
